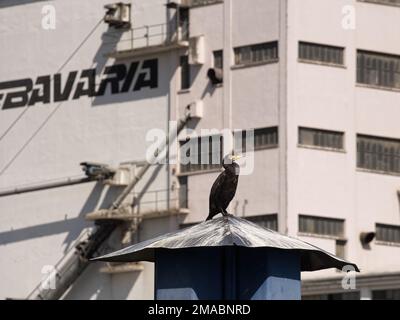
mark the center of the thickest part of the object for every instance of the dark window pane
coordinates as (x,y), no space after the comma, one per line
(269,221)
(388,294)
(341,248)
(378,154)
(183,192)
(378,69)
(218,59)
(195,3)
(206,155)
(321,53)
(263,138)
(185,72)
(321,138)
(387,233)
(263,52)
(387,2)
(321,226)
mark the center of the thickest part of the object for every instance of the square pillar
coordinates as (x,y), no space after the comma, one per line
(227,273)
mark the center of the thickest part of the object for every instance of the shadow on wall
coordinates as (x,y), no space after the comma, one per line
(73,226)
(11,3)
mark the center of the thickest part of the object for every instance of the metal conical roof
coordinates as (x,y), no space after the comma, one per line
(229,231)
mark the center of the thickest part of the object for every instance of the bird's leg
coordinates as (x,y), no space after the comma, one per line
(224,212)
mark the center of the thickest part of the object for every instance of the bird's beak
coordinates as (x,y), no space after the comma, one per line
(236,157)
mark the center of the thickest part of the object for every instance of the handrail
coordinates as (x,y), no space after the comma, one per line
(141,37)
(43,185)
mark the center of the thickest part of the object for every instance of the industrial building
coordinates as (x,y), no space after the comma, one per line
(83,83)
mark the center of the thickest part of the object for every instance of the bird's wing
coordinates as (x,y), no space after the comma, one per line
(216,187)
(229,192)
(215,194)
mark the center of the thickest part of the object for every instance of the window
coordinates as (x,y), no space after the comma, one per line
(184,23)
(387,233)
(378,154)
(269,221)
(340,248)
(197,3)
(218,59)
(321,138)
(325,54)
(183,192)
(387,2)
(388,294)
(263,138)
(204,153)
(185,72)
(321,226)
(354,295)
(264,52)
(378,69)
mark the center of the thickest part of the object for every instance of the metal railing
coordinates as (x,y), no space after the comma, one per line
(152,35)
(160,200)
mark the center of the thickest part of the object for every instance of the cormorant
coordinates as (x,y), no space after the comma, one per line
(224,188)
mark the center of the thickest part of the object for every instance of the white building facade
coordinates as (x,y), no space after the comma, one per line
(317,81)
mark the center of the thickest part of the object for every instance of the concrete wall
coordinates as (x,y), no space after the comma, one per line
(37,228)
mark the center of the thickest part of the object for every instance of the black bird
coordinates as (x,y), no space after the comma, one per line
(224,188)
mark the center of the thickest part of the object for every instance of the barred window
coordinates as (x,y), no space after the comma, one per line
(321,138)
(263,138)
(378,154)
(321,53)
(269,221)
(378,69)
(387,233)
(218,59)
(387,294)
(387,2)
(264,52)
(185,72)
(321,226)
(205,153)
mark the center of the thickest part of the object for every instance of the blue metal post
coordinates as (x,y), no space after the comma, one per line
(227,273)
